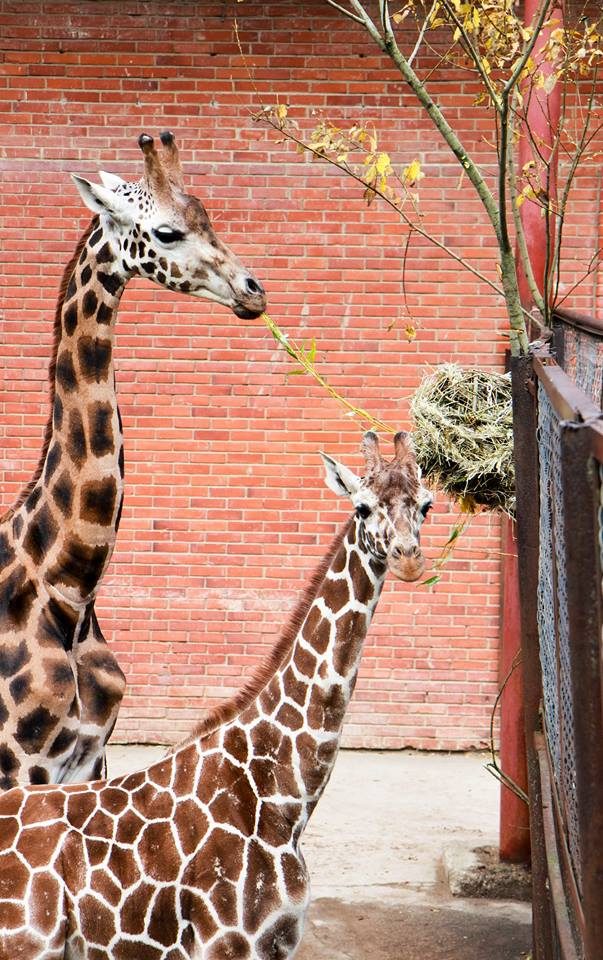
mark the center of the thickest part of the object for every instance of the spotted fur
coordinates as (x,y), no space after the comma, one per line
(199,855)
(60,685)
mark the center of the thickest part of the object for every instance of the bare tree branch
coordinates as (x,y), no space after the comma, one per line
(536,27)
(473,53)
(524,256)
(346,13)
(422,31)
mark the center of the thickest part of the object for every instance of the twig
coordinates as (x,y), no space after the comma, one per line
(493,766)
(300,354)
(422,32)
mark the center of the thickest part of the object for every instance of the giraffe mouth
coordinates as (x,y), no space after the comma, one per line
(407,568)
(244,313)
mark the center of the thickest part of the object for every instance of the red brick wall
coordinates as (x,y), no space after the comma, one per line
(226,512)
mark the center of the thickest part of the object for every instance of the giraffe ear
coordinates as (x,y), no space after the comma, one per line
(110,180)
(339,478)
(101,200)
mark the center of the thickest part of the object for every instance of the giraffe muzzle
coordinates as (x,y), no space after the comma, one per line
(406,564)
(251,299)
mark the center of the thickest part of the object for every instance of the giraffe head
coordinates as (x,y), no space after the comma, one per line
(390,501)
(160,232)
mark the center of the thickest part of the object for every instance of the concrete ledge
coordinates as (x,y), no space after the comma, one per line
(479,873)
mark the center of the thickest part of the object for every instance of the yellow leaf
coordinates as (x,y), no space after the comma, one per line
(411,332)
(370,173)
(412,173)
(281,111)
(382,163)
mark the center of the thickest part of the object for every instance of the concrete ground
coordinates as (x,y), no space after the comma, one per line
(375,848)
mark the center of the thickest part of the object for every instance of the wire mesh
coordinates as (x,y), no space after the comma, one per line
(548,439)
(553,624)
(583,361)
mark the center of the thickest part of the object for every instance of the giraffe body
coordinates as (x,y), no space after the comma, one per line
(60,685)
(199,856)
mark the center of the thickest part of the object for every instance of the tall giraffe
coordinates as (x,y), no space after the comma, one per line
(199,855)
(60,685)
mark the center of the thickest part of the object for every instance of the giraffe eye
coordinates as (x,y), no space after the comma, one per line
(168,235)
(363,511)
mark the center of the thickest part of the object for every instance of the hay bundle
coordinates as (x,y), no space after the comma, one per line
(463,436)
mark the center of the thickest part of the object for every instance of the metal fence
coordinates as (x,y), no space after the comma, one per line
(559,463)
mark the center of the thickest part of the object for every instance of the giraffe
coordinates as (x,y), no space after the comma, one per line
(198,856)
(60,685)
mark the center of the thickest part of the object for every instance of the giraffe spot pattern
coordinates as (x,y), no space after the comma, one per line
(70,319)
(89,303)
(62,494)
(57,413)
(7,551)
(13,659)
(33,730)
(33,499)
(8,767)
(17,594)
(105,254)
(38,775)
(20,687)
(17,525)
(98,693)
(53,460)
(62,742)
(97,501)
(57,624)
(94,357)
(104,314)
(112,282)
(65,372)
(76,439)
(79,565)
(100,429)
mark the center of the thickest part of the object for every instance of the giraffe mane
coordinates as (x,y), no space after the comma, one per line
(65,278)
(228,709)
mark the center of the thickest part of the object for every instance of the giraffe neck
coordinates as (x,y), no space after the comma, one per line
(288,721)
(68,520)
(319,676)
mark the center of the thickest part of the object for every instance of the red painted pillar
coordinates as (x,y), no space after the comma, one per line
(543,120)
(543,111)
(514,838)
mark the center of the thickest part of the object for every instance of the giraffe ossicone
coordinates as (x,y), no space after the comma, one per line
(60,685)
(198,856)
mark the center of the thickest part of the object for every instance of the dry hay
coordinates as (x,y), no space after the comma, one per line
(463,436)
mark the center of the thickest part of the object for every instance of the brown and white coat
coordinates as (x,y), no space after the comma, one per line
(199,855)
(60,685)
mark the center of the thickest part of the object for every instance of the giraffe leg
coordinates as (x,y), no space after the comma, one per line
(100,684)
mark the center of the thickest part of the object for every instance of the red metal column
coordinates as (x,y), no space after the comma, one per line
(514,839)
(543,113)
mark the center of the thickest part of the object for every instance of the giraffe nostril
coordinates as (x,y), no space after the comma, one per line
(252,286)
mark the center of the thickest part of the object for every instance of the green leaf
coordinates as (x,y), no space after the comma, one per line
(430,581)
(453,536)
